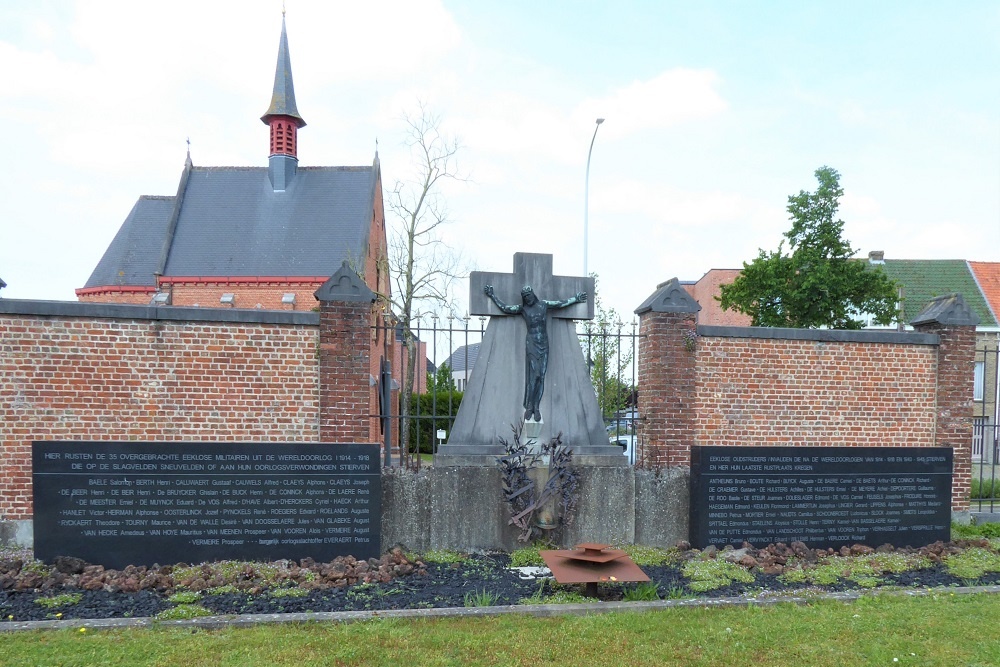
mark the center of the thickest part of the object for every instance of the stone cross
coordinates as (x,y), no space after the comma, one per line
(492,401)
(535,270)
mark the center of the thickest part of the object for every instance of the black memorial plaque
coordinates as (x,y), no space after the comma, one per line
(139,503)
(821,496)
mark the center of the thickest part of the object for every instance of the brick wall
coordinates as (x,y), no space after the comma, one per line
(767,392)
(66,377)
(256,293)
(748,386)
(134,296)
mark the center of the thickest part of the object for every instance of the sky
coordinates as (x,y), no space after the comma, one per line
(715,113)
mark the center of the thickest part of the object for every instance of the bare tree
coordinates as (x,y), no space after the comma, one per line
(422,265)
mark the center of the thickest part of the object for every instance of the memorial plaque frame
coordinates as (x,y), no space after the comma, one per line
(140,503)
(822,496)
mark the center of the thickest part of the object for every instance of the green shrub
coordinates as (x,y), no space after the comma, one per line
(647,556)
(56,601)
(707,575)
(182,612)
(430,412)
(984,488)
(526,557)
(481,599)
(972,563)
(184,597)
(287,593)
(443,556)
(647,591)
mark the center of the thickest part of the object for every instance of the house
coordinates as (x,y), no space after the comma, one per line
(704,291)
(249,237)
(920,281)
(461,362)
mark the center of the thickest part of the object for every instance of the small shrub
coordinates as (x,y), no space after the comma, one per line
(649,556)
(646,591)
(182,612)
(557,597)
(707,575)
(222,590)
(526,557)
(287,593)
(984,488)
(481,599)
(443,556)
(56,601)
(972,563)
(184,597)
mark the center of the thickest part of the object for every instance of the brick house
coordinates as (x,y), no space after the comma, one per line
(920,280)
(249,237)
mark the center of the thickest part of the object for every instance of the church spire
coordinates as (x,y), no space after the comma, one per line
(283,118)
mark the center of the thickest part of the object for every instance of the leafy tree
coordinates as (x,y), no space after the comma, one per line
(608,358)
(441,381)
(818,283)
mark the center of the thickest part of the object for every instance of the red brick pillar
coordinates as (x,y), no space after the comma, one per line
(345,343)
(667,343)
(955,324)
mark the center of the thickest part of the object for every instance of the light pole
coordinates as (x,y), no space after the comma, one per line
(586,196)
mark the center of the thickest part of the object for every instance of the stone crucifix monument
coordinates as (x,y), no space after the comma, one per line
(530,368)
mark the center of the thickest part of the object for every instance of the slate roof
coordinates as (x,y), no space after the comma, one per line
(134,253)
(283,94)
(924,279)
(462,358)
(232,223)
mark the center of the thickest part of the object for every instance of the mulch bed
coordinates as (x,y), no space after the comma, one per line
(392,582)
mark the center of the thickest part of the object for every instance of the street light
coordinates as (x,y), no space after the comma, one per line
(586,197)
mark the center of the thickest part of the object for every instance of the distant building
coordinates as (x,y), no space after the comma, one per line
(249,237)
(461,362)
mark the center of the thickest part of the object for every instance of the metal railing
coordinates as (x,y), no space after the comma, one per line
(985,425)
(610,351)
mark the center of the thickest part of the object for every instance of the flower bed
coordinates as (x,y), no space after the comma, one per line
(72,589)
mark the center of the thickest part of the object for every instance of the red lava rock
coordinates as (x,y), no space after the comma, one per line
(885,549)
(94,584)
(861,550)
(748,562)
(130,584)
(773,570)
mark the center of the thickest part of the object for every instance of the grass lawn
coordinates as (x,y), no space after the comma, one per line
(938,629)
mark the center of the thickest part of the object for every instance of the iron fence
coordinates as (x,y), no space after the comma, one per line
(986,421)
(446,353)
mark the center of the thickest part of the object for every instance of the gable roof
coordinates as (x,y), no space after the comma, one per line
(924,279)
(132,257)
(463,358)
(987,274)
(232,223)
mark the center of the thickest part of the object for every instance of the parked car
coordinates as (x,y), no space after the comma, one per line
(621,426)
(627,443)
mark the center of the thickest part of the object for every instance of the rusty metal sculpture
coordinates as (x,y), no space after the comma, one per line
(591,564)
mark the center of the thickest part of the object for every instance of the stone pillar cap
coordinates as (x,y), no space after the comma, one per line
(947,309)
(669,297)
(344,285)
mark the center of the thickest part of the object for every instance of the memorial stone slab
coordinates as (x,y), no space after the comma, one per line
(822,496)
(139,503)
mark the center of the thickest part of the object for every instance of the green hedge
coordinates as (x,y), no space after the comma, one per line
(985,488)
(432,411)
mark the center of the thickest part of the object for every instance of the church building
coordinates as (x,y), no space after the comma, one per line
(250,237)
